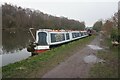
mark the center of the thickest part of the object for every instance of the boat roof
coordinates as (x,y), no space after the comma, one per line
(62,30)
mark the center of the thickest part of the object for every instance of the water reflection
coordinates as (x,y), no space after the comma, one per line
(14,57)
(14,43)
(13,40)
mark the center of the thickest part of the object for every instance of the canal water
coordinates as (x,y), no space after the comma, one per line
(14,43)
(8,58)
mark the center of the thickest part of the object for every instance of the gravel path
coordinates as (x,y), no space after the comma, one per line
(75,66)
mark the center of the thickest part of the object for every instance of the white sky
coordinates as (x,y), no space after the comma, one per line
(83,10)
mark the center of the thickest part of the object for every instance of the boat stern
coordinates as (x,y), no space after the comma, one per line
(40,49)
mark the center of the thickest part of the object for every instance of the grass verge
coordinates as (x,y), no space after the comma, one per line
(109,69)
(38,65)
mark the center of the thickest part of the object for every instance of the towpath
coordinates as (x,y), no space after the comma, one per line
(78,65)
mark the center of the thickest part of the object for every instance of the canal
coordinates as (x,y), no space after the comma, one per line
(14,43)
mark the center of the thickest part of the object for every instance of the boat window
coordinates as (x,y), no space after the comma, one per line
(75,35)
(81,33)
(67,36)
(55,37)
(42,38)
(85,33)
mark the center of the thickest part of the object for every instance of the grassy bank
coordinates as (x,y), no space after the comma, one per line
(38,65)
(109,69)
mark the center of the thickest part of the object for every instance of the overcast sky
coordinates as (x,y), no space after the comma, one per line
(83,10)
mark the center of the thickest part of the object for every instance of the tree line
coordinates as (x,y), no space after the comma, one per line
(14,17)
(110,27)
